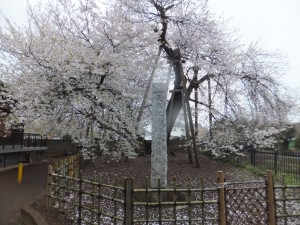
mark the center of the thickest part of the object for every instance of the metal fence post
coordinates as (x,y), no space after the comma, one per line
(22,137)
(275,161)
(3,141)
(128,204)
(270,198)
(254,157)
(28,140)
(13,139)
(251,155)
(35,140)
(221,199)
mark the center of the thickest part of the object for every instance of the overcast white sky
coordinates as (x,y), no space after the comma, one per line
(276,23)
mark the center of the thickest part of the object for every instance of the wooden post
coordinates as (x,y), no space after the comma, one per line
(189,201)
(187,130)
(80,192)
(70,166)
(55,167)
(159,200)
(147,199)
(94,197)
(115,196)
(56,182)
(196,69)
(149,86)
(186,124)
(270,198)
(189,114)
(221,191)
(174,200)
(62,187)
(66,167)
(128,212)
(49,187)
(210,115)
(99,198)
(75,165)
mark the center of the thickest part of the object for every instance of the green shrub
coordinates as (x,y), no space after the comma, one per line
(297,142)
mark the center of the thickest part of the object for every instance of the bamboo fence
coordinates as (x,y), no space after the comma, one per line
(287,201)
(98,202)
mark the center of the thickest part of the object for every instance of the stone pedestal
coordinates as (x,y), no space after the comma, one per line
(159,161)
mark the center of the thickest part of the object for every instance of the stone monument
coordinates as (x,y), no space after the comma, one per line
(159,156)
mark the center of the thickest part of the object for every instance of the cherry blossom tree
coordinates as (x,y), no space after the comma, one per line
(83,68)
(70,66)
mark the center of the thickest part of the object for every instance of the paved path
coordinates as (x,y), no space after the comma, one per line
(13,196)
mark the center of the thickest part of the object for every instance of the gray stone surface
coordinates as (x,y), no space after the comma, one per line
(159,160)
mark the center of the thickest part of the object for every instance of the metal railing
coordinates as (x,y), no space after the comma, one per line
(16,140)
(279,162)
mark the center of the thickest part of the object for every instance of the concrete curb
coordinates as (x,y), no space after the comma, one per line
(29,216)
(2,170)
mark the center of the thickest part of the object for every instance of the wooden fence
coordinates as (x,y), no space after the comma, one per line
(98,202)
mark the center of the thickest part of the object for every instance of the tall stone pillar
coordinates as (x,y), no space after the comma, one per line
(159,160)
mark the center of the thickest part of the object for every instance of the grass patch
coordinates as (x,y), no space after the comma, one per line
(255,170)
(261,172)
(236,162)
(287,180)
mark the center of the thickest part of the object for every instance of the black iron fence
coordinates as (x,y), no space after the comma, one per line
(21,140)
(286,163)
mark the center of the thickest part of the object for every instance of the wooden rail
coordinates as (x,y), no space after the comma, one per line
(98,202)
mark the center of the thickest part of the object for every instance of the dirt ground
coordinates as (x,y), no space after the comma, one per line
(139,168)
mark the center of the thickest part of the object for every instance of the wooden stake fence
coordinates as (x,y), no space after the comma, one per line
(98,202)
(285,198)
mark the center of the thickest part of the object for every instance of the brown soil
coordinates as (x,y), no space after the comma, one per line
(139,168)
